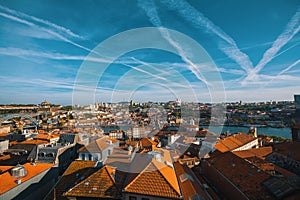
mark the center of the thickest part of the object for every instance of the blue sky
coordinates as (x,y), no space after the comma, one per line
(254,45)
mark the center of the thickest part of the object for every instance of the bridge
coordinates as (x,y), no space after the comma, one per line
(4,118)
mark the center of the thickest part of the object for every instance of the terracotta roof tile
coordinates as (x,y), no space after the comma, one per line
(233,142)
(3,134)
(112,140)
(243,174)
(155,180)
(37,142)
(100,184)
(189,183)
(146,142)
(5,168)
(5,157)
(8,182)
(46,136)
(258,152)
(76,172)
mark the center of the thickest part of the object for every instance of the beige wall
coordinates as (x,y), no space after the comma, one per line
(5,129)
(248,145)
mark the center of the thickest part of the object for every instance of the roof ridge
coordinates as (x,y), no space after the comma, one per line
(112,179)
(192,174)
(90,176)
(169,182)
(225,145)
(138,175)
(235,141)
(160,173)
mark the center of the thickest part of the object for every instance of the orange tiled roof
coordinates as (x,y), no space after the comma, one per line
(78,165)
(46,136)
(155,180)
(3,134)
(5,168)
(8,182)
(189,183)
(37,142)
(13,143)
(233,142)
(100,184)
(145,142)
(5,157)
(258,152)
(74,174)
(112,140)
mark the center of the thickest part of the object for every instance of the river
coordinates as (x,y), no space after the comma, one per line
(282,132)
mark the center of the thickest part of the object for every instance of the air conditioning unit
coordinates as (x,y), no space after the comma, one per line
(18,171)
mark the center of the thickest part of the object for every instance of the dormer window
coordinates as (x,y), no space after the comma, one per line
(42,154)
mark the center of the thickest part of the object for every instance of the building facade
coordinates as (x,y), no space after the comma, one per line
(296,126)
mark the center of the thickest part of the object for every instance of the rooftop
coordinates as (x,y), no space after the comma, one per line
(147,142)
(258,152)
(76,172)
(97,145)
(233,142)
(32,171)
(289,149)
(155,180)
(35,141)
(244,175)
(100,184)
(189,183)
(46,136)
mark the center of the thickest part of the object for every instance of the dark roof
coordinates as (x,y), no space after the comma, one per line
(189,183)
(76,172)
(289,149)
(67,137)
(246,176)
(281,188)
(100,184)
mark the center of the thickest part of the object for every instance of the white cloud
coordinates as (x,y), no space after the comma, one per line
(292,28)
(56,27)
(288,68)
(227,44)
(45,29)
(150,9)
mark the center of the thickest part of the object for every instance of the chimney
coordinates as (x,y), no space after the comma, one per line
(255,132)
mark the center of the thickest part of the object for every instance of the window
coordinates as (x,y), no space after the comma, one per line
(43,154)
(51,155)
(132,198)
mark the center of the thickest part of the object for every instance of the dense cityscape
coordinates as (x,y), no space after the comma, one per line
(150,150)
(149,100)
